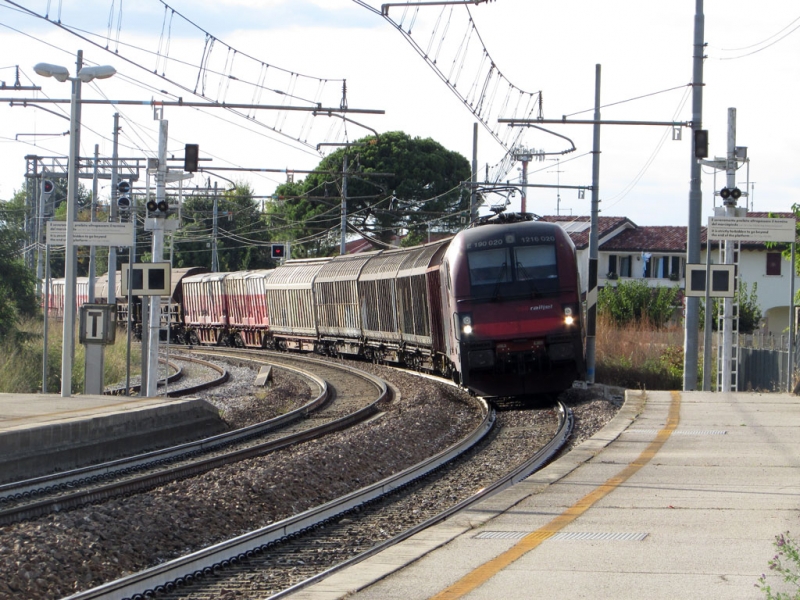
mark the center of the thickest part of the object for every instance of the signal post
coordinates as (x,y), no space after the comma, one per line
(155,222)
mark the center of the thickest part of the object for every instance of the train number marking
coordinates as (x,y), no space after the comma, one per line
(485,244)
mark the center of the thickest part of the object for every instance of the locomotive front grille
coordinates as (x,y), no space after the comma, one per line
(481,359)
(560,352)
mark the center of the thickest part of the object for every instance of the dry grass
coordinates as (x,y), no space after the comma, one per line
(21,364)
(636,356)
(639,355)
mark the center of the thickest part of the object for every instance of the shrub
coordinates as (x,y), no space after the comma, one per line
(21,367)
(634,300)
(639,355)
(749,311)
(785,564)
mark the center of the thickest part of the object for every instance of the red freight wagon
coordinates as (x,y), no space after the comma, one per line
(56,296)
(205,309)
(248,317)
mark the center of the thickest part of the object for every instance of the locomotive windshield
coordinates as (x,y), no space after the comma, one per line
(513,271)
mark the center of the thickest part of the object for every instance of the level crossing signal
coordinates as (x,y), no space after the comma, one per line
(727,193)
(157,209)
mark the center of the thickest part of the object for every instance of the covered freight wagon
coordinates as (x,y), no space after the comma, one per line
(379,308)
(248,316)
(205,308)
(291,306)
(337,303)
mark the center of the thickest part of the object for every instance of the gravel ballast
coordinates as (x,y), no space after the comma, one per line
(63,553)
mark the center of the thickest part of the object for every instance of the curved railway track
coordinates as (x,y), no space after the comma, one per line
(177,376)
(280,558)
(334,408)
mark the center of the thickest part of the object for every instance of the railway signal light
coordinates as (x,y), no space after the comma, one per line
(701,143)
(157,209)
(124,200)
(278,250)
(48,187)
(191,157)
(728,193)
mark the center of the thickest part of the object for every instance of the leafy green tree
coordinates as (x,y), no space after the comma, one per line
(787,249)
(304,219)
(749,310)
(17,282)
(56,209)
(242,238)
(634,300)
(397,183)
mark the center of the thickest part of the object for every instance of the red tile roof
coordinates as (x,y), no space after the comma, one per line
(606,226)
(627,236)
(652,239)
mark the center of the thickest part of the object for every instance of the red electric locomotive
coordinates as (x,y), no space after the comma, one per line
(512,307)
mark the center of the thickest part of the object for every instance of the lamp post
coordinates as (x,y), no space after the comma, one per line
(85,75)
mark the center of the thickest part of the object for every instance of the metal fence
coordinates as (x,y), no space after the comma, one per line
(762,369)
(764,341)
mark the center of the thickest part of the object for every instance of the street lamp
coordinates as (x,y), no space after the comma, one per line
(85,75)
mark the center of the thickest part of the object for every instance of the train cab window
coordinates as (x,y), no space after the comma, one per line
(535,262)
(489,267)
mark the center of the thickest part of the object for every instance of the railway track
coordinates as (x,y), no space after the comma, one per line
(334,408)
(280,558)
(177,375)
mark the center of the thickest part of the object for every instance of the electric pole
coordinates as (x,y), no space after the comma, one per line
(692,320)
(214,232)
(343,243)
(158,254)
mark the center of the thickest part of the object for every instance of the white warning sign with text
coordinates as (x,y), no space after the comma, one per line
(752,229)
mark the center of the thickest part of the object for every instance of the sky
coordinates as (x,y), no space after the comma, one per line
(311,46)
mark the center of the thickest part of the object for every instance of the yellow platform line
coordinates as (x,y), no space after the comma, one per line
(489,569)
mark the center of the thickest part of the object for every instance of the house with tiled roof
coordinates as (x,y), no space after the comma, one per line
(658,255)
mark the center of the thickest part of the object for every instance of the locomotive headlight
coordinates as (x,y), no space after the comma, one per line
(569,316)
(466,324)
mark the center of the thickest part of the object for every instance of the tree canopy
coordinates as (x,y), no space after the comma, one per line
(17,282)
(394,184)
(242,236)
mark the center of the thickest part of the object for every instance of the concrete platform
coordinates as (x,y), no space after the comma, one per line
(680,496)
(45,433)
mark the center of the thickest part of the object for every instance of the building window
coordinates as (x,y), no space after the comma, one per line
(675,271)
(774,260)
(624,266)
(662,267)
(619,265)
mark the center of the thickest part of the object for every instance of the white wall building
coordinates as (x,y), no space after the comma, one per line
(658,255)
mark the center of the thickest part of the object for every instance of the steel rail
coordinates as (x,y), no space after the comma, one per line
(30,488)
(204,562)
(525,469)
(176,376)
(149,481)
